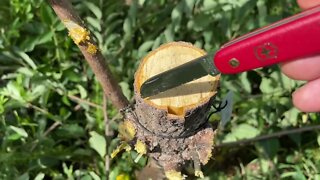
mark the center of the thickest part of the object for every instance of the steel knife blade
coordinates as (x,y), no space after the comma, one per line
(172,78)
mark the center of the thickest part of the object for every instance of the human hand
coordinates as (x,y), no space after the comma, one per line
(306,98)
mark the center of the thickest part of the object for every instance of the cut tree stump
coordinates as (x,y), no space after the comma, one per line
(173,125)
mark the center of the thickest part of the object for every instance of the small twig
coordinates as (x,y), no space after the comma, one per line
(76,98)
(37,108)
(79,100)
(89,49)
(269,136)
(107,133)
(77,107)
(51,128)
(50,116)
(43,111)
(118,115)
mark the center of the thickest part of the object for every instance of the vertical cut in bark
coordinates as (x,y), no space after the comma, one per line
(176,118)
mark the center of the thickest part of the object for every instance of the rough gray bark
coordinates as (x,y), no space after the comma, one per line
(173,140)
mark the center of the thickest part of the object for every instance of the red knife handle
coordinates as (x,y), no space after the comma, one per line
(294,37)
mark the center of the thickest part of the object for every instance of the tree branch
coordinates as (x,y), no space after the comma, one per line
(269,136)
(81,36)
(79,100)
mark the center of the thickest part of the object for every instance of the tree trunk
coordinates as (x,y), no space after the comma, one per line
(173,125)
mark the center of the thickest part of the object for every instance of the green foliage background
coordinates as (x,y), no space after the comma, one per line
(44,134)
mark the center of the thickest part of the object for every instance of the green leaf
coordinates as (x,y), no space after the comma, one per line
(94,23)
(266,86)
(47,15)
(265,165)
(94,9)
(245,131)
(70,131)
(3,100)
(125,89)
(111,38)
(14,91)
(71,75)
(94,175)
(44,38)
(296,175)
(127,27)
(40,176)
(242,131)
(296,138)
(141,2)
(262,9)
(38,91)
(169,34)
(176,13)
(68,170)
(24,176)
(26,71)
(276,82)
(98,143)
(157,42)
(83,91)
(19,131)
(290,117)
(270,147)
(26,58)
(208,5)
(245,83)
(144,48)
(188,6)
(29,44)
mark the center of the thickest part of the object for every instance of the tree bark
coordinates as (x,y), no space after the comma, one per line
(90,51)
(173,124)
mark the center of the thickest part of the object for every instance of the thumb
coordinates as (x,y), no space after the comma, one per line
(306,4)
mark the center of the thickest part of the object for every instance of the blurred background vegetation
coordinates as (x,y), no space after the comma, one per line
(46,133)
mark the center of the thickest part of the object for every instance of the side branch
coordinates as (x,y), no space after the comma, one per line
(269,136)
(81,36)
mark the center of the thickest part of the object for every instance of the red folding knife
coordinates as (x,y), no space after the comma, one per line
(291,38)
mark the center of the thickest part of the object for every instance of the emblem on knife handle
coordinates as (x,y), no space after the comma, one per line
(266,51)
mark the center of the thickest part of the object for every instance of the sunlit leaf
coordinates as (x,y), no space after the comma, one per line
(94,9)
(24,176)
(40,176)
(19,131)
(98,143)
(125,89)
(26,58)
(94,175)
(94,22)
